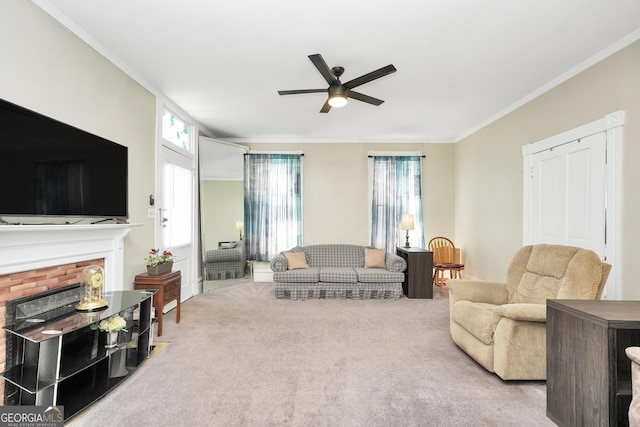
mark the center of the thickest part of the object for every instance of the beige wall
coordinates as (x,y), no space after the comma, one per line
(222,206)
(49,70)
(335,189)
(472,190)
(489,165)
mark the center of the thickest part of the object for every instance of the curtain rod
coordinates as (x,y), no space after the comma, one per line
(395,155)
(273,152)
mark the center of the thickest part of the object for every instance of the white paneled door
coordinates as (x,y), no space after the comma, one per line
(572,192)
(568,194)
(176,215)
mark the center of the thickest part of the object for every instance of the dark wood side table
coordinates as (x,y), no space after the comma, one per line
(588,372)
(418,277)
(167,288)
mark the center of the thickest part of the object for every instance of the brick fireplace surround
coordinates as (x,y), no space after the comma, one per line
(38,258)
(17,285)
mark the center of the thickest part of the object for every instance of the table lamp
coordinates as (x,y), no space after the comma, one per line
(239,226)
(407,224)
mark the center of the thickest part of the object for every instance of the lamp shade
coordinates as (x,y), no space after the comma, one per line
(338,96)
(407,222)
(239,225)
(338,101)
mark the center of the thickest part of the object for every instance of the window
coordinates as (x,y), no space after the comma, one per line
(395,190)
(175,130)
(178,209)
(272,204)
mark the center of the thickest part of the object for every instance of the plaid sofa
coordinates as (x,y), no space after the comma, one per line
(337,271)
(228,262)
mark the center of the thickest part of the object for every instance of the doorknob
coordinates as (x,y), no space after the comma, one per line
(163,219)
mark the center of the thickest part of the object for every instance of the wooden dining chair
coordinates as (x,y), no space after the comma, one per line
(444,259)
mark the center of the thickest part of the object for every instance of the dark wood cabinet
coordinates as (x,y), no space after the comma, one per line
(418,277)
(167,287)
(588,372)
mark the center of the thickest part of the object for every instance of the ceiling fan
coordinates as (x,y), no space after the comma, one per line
(338,91)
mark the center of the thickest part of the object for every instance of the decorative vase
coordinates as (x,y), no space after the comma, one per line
(163,267)
(112,339)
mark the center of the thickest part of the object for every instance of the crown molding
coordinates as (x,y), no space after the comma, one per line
(336,140)
(572,72)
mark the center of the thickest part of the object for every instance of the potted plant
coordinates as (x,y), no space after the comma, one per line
(159,262)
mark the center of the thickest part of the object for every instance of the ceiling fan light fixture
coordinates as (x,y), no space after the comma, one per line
(337,91)
(338,101)
(337,96)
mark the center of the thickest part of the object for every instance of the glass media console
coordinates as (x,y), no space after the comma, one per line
(61,357)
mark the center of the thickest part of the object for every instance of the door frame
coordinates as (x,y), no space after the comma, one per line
(165,149)
(612,124)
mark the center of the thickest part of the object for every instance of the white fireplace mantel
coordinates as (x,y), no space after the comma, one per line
(30,247)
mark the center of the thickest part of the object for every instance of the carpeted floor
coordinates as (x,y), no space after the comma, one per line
(240,357)
(212,285)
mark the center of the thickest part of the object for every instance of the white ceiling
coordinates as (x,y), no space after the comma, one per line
(220,161)
(461,63)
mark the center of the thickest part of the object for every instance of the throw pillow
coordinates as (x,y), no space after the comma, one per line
(296,260)
(374,258)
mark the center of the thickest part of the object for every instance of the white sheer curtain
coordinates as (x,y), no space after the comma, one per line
(272,204)
(396,189)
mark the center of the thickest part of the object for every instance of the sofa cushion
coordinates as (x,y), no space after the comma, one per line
(224,255)
(476,318)
(303,275)
(585,277)
(542,275)
(296,260)
(374,258)
(562,272)
(338,275)
(378,275)
(535,289)
(551,260)
(335,255)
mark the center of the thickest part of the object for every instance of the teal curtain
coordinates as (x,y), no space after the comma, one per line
(272,204)
(397,190)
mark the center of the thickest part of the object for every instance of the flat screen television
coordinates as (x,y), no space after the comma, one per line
(49,168)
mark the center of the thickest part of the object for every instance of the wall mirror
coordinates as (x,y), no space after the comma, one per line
(221,195)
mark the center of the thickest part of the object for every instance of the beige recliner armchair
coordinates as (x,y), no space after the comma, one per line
(503,325)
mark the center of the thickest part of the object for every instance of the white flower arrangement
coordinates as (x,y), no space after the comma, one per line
(112,324)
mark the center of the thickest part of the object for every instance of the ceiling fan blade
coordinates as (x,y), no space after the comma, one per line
(295,92)
(380,72)
(326,107)
(364,98)
(324,69)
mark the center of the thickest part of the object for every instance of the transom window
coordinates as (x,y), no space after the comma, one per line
(175,130)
